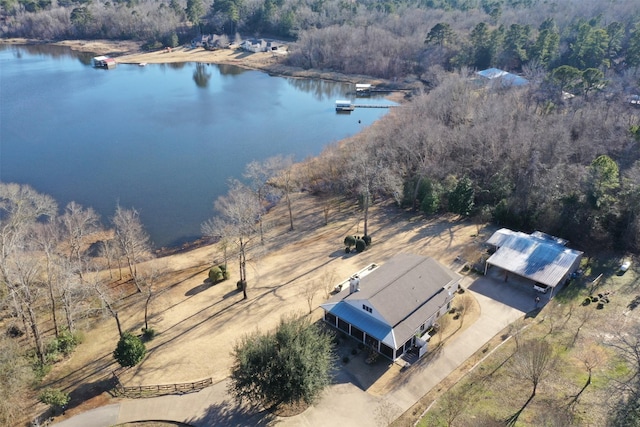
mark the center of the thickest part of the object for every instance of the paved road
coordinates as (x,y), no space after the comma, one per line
(343,404)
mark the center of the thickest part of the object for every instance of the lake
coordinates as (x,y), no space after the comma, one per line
(163,139)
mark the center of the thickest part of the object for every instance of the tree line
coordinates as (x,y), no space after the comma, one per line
(392,39)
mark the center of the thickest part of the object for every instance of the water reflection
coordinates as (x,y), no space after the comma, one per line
(230,70)
(201,76)
(321,89)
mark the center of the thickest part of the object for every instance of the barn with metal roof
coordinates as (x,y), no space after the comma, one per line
(393,303)
(539,257)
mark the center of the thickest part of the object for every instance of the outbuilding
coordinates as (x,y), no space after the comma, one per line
(390,307)
(544,260)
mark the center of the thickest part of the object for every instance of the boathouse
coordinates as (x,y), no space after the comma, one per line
(391,307)
(344,105)
(103,62)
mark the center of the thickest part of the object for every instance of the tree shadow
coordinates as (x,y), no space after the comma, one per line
(228,414)
(88,391)
(200,288)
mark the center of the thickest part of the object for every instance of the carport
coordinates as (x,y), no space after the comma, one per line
(538,257)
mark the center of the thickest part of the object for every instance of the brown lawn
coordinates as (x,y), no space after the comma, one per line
(198,324)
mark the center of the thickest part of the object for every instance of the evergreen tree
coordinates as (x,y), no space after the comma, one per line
(461,199)
(290,365)
(130,350)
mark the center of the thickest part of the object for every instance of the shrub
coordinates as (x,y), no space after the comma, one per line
(129,351)
(350,241)
(345,359)
(367,240)
(148,334)
(360,245)
(54,397)
(215,275)
(67,342)
(347,250)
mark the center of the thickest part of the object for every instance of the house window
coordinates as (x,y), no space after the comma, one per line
(386,350)
(367,308)
(357,333)
(343,325)
(330,318)
(371,342)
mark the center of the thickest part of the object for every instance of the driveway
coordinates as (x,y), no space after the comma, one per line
(343,403)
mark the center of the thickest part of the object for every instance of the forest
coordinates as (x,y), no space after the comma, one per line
(388,39)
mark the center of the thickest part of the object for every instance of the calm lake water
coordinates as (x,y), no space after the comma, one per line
(162,138)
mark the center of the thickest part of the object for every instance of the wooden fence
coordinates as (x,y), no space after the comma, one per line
(159,389)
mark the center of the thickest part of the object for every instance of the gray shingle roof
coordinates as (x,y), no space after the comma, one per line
(404,292)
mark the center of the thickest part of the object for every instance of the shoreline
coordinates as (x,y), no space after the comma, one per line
(131,52)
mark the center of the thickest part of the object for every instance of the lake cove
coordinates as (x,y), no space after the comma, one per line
(163,138)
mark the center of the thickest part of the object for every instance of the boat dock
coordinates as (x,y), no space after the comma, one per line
(346,105)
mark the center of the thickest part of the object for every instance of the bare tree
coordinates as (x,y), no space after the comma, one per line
(77,223)
(148,279)
(108,299)
(238,211)
(328,279)
(132,239)
(456,401)
(285,180)
(369,174)
(533,362)
(26,289)
(20,273)
(110,250)
(260,175)
(310,291)
(15,377)
(591,355)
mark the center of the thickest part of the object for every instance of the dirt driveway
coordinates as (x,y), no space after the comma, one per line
(198,324)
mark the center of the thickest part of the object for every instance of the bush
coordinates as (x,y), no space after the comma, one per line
(345,359)
(360,245)
(350,241)
(129,351)
(215,275)
(67,342)
(367,240)
(148,334)
(54,397)
(347,250)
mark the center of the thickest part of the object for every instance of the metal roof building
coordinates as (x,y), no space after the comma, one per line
(506,78)
(393,303)
(538,256)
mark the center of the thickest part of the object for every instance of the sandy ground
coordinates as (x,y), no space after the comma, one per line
(198,324)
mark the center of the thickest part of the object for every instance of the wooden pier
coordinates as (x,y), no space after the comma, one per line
(372,106)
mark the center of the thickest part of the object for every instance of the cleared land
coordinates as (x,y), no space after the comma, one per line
(198,323)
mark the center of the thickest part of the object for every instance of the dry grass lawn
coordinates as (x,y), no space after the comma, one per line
(198,324)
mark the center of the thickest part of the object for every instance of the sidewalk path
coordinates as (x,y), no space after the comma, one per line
(342,404)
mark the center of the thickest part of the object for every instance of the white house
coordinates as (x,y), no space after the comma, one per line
(393,305)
